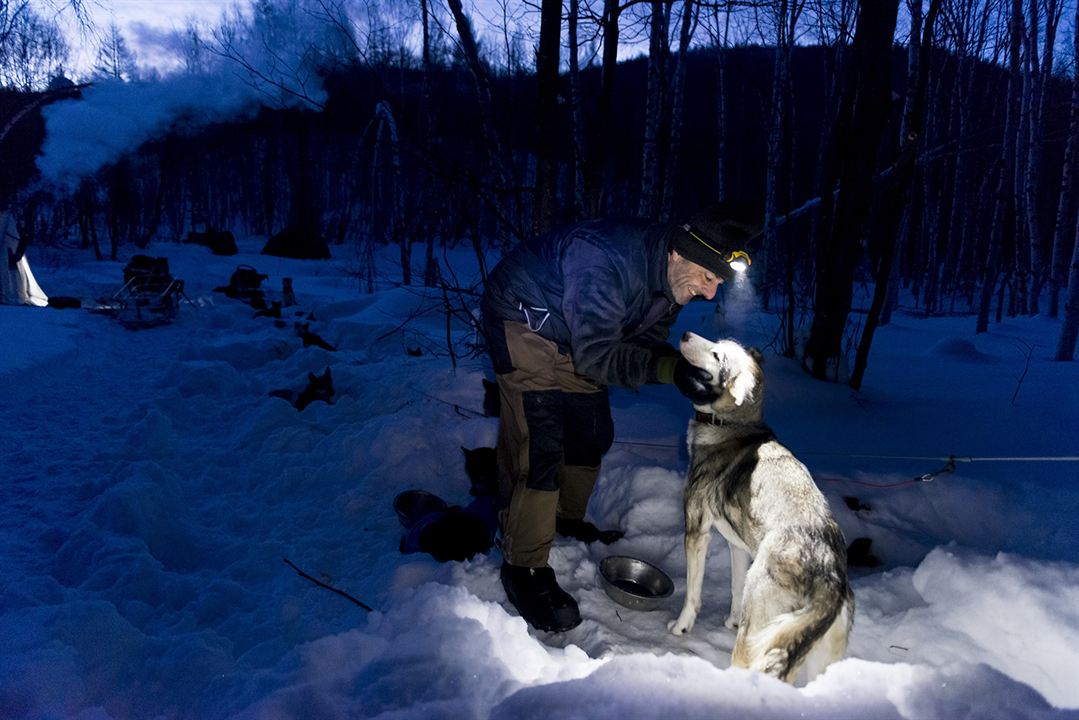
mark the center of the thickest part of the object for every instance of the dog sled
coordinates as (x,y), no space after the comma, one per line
(150,295)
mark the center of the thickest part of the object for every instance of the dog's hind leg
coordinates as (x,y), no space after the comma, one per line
(832,646)
(740,560)
(696,552)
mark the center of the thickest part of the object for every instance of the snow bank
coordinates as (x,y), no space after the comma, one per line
(151,488)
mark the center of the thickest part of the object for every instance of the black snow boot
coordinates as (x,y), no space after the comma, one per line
(536,595)
(585,531)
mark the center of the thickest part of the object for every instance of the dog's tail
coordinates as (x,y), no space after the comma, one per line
(781,646)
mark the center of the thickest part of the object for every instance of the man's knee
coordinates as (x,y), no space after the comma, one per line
(543,413)
(589,428)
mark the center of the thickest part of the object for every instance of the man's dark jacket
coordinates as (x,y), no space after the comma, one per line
(604,283)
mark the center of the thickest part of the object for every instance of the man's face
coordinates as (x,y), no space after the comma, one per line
(688,279)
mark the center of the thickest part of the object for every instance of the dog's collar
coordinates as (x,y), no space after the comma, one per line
(707,418)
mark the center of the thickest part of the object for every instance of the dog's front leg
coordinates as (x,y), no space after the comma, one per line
(696,552)
(739,567)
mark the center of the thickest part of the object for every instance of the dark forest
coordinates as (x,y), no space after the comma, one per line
(936,167)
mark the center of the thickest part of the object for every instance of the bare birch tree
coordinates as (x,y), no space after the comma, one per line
(601,148)
(897,194)
(1005,195)
(575,99)
(911,114)
(1069,329)
(687,26)
(115,60)
(965,26)
(655,90)
(1020,251)
(387,187)
(492,144)
(720,33)
(1039,76)
(1064,228)
(548,59)
(32,51)
(845,194)
(785,17)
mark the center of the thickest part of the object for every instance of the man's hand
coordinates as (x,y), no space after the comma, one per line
(693,382)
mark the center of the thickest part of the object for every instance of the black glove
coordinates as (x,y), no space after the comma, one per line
(663,349)
(661,363)
(693,382)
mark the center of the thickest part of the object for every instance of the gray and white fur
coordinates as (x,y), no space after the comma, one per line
(790,598)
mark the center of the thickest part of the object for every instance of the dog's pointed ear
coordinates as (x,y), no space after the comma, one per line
(743,387)
(747,381)
(756,354)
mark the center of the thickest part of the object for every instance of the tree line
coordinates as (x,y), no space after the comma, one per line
(923,148)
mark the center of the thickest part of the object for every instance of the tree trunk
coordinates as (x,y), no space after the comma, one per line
(483,98)
(1041,74)
(772,177)
(1064,228)
(721,109)
(577,113)
(1021,250)
(430,264)
(964,197)
(1069,329)
(937,250)
(86,202)
(547,61)
(904,227)
(602,139)
(425,68)
(897,198)
(678,102)
(1005,197)
(304,201)
(854,142)
(655,91)
(779,267)
(386,167)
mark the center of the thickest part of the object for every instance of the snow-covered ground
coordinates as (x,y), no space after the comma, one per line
(150,490)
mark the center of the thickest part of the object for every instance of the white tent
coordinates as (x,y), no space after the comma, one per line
(17,283)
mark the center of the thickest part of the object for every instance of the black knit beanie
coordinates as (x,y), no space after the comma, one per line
(709,237)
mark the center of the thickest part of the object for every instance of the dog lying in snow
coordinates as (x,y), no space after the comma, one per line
(793,605)
(303,331)
(319,387)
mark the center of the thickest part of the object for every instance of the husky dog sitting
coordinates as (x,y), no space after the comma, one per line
(319,387)
(793,605)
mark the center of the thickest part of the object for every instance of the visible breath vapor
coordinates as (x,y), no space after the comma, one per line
(740,303)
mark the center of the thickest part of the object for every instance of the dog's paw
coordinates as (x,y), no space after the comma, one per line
(775,663)
(680,627)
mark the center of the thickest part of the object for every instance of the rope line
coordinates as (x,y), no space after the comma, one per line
(954,458)
(904,483)
(950,459)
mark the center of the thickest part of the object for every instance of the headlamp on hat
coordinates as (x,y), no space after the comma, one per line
(705,252)
(739,261)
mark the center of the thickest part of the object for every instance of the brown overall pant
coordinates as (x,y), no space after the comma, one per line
(554,428)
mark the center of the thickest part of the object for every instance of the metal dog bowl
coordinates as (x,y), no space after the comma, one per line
(635,583)
(411,505)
